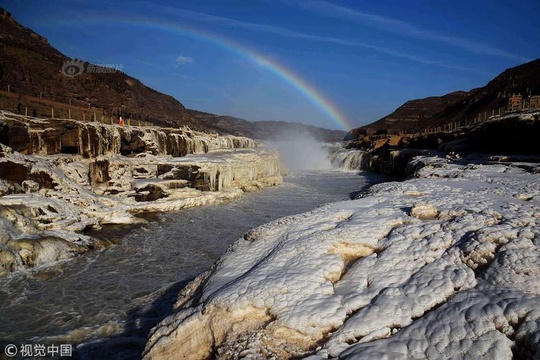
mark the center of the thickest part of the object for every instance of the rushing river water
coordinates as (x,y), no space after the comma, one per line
(104,303)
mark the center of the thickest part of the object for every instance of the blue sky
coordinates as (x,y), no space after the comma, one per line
(363,58)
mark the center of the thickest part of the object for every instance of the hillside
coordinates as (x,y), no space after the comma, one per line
(459,106)
(34,74)
(31,66)
(523,79)
(413,112)
(269,130)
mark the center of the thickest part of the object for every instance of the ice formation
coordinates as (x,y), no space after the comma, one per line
(74,176)
(92,139)
(444,265)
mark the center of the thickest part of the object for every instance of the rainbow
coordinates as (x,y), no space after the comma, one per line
(313,95)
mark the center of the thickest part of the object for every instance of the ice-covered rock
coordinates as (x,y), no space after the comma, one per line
(70,176)
(424,211)
(71,194)
(91,139)
(444,265)
(387,161)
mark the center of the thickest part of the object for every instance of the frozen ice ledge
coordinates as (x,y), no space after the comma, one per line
(445,265)
(29,135)
(59,178)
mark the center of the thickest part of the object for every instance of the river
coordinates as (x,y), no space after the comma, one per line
(104,303)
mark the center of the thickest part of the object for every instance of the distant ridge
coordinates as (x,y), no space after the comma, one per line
(267,130)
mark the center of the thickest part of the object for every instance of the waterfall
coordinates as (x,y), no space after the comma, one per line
(347,159)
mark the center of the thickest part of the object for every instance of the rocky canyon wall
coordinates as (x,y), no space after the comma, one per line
(59,178)
(29,135)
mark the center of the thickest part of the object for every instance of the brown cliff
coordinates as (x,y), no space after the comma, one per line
(409,115)
(523,79)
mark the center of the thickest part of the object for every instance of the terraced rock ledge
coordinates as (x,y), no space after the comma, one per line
(68,176)
(444,265)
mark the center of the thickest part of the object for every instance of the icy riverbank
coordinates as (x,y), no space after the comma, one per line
(47,202)
(443,265)
(50,196)
(110,300)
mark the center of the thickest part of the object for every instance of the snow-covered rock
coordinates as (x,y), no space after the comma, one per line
(444,265)
(424,211)
(47,201)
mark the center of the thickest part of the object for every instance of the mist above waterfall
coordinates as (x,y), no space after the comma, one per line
(301,151)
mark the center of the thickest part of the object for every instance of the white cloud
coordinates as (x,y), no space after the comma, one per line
(183,60)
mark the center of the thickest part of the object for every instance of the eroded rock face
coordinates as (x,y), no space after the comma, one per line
(99,171)
(391,162)
(444,265)
(150,192)
(12,171)
(47,201)
(14,135)
(92,139)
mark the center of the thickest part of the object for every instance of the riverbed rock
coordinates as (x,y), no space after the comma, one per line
(149,192)
(7,262)
(13,171)
(29,186)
